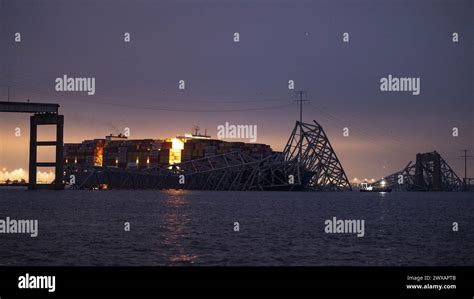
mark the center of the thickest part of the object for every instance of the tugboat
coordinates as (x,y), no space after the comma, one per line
(364,187)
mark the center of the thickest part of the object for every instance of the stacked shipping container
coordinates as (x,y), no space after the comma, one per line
(146,153)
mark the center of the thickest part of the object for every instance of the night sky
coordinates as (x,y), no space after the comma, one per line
(247,82)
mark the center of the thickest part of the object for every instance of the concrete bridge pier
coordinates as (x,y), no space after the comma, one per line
(46,119)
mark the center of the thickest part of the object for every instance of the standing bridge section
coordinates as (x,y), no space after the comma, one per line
(42,114)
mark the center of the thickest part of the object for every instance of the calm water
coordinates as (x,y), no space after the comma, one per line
(276,228)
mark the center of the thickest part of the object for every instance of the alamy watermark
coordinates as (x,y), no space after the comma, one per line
(339,226)
(28,281)
(228,131)
(66,83)
(391,83)
(13,226)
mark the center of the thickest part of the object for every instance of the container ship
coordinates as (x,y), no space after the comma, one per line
(121,152)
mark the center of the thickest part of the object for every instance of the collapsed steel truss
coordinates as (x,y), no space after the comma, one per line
(116,178)
(235,171)
(429,173)
(310,148)
(308,162)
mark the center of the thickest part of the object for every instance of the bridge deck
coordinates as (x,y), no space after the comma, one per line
(24,107)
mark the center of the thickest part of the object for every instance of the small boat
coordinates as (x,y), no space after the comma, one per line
(364,187)
(386,189)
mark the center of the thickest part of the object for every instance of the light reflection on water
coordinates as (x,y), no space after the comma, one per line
(176,226)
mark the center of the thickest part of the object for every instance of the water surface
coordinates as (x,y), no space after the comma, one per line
(86,228)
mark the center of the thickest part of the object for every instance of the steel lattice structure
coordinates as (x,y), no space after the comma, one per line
(235,171)
(310,148)
(429,173)
(307,163)
(115,178)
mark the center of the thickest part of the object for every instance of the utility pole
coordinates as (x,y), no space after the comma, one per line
(8,91)
(465,156)
(300,93)
(300,100)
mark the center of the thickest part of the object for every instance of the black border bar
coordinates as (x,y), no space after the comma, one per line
(238,282)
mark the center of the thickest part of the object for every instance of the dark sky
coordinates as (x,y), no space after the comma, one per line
(246,82)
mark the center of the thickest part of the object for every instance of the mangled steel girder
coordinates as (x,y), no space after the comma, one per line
(307,163)
(430,173)
(310,147)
